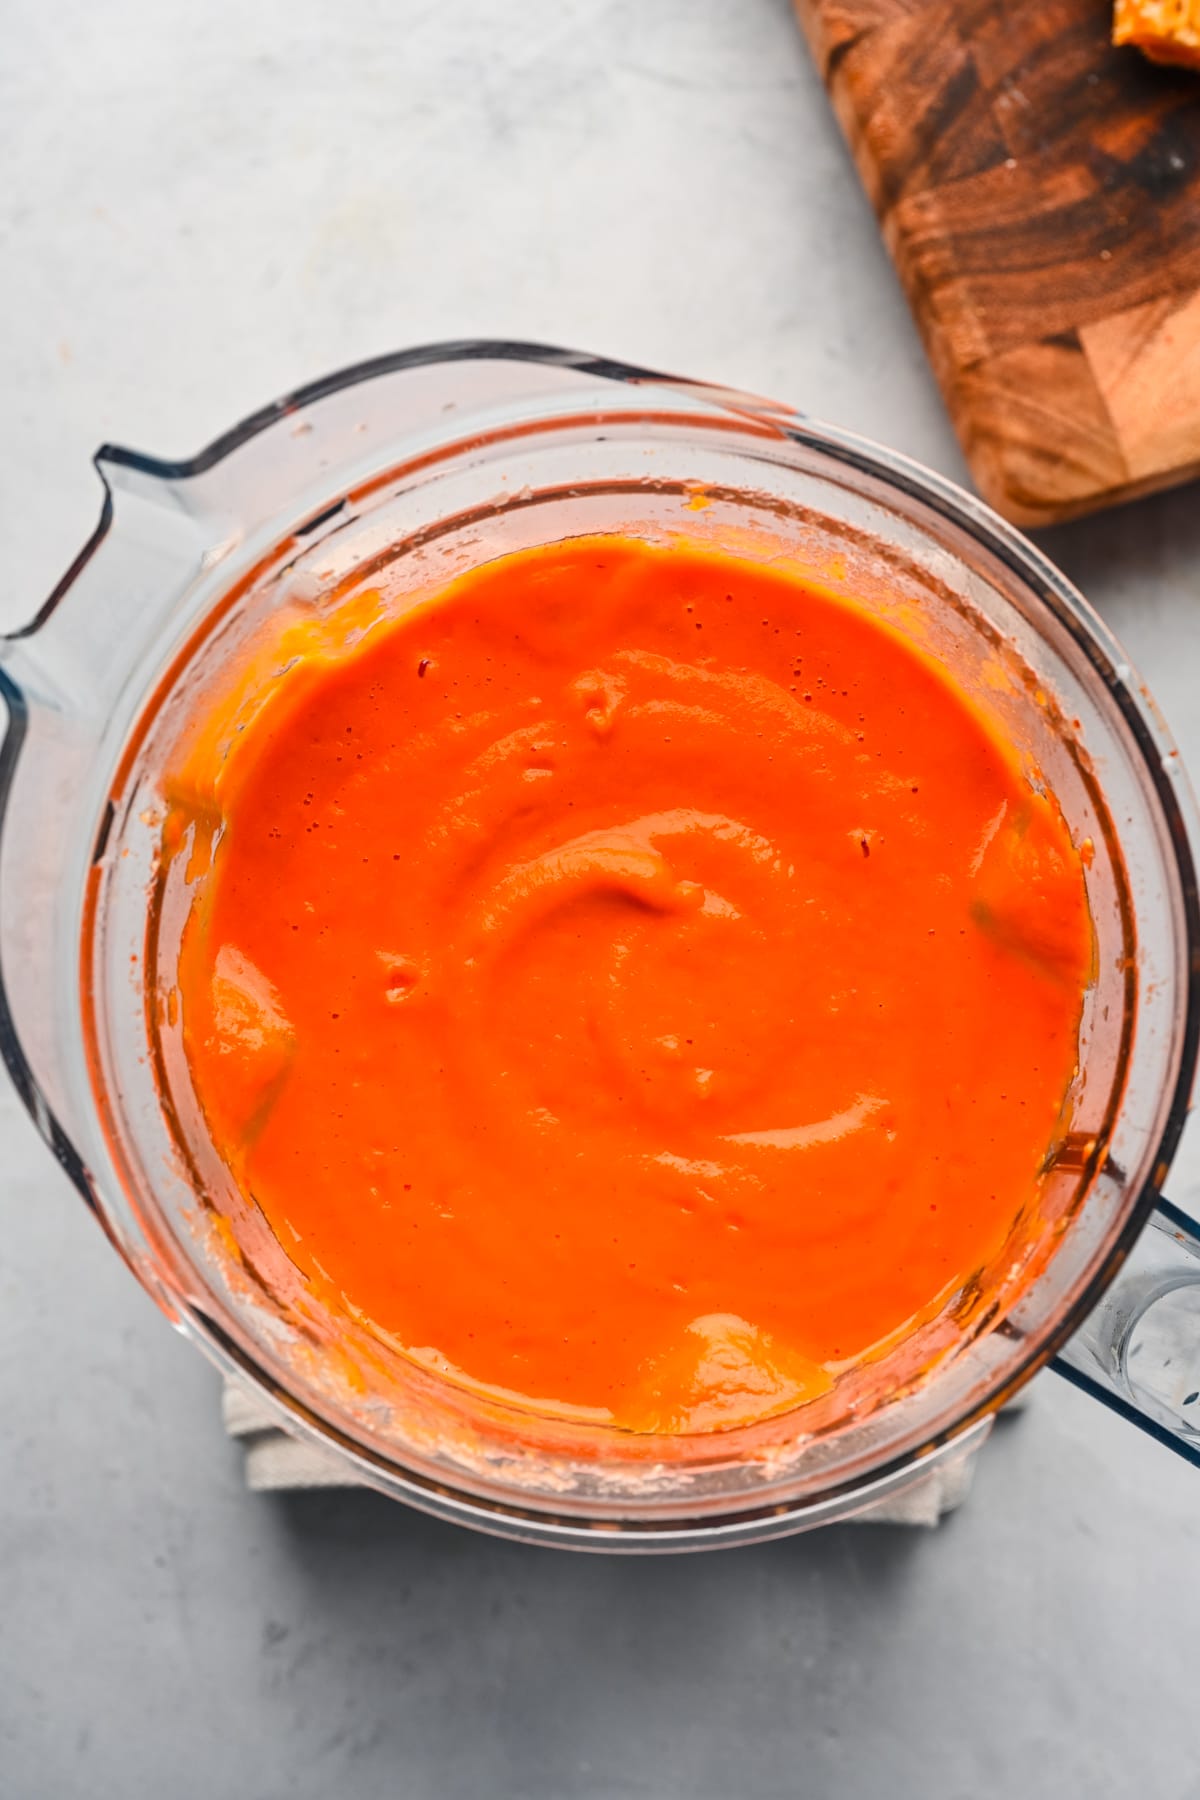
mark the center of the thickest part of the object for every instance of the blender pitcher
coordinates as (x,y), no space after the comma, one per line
(429,462)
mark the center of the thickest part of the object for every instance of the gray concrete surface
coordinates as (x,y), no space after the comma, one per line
(201,206)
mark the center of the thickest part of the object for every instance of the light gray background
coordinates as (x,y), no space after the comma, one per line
(202,205)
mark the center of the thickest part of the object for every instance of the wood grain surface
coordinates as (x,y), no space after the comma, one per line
(1039,192)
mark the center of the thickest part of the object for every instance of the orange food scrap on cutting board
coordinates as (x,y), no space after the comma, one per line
(1167,31)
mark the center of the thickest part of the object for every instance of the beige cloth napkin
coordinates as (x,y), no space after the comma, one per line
(276,1461)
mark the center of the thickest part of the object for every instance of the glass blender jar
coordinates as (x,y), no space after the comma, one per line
(428,462)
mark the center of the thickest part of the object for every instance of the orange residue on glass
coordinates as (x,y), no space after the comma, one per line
(635,980)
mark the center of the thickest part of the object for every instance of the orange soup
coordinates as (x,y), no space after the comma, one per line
(636,981)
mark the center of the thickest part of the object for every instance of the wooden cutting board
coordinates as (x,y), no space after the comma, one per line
(1039,192)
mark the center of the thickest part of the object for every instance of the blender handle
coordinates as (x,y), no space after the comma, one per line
(1139,1351)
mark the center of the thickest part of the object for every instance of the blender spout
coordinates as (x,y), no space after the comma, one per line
(32,626)
(146,550)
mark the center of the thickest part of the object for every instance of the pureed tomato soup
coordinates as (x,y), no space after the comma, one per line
(636,982)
